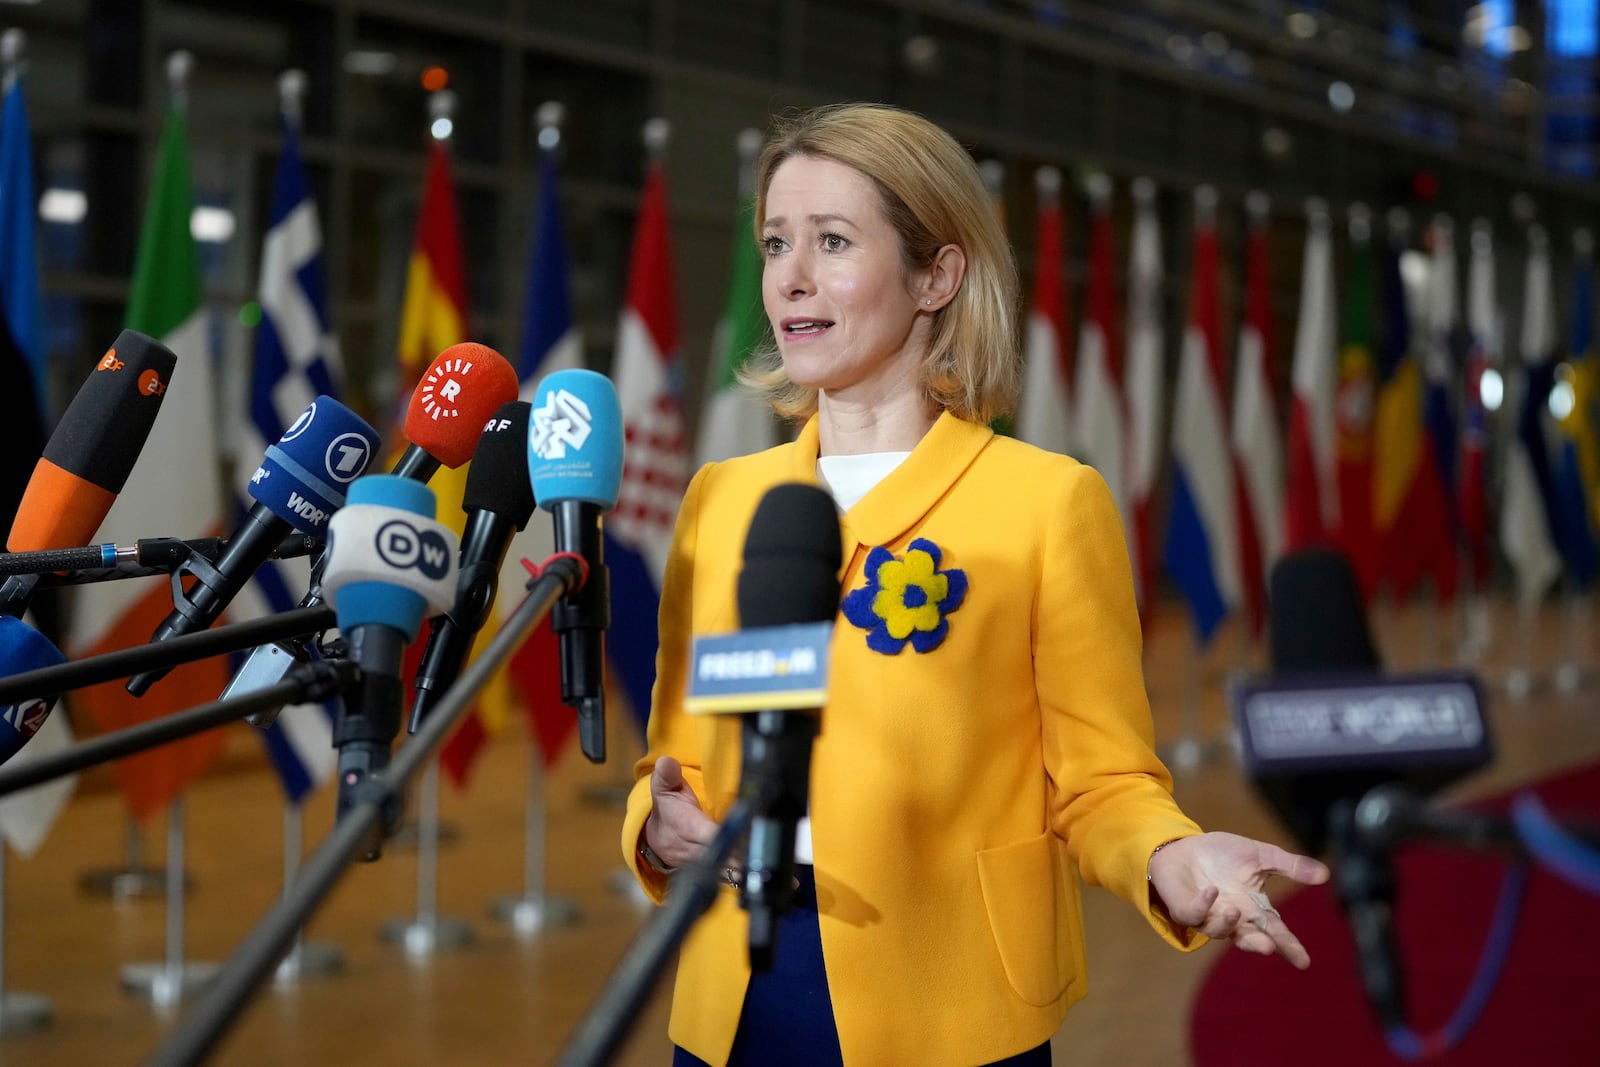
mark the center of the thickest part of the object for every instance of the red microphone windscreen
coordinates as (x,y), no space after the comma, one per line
(458,393)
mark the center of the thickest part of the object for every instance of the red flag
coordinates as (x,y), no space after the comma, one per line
(1100,421)
(1045,415)
(1311,503)
(1257,444)
(1146,380)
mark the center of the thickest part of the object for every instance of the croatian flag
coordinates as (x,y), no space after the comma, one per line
(655,472)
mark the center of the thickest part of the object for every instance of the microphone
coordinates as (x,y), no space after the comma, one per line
(575,464)
(792,557)
(89,455)
(498,502)
(1343,752)
(458,393)
(388,563)
(300,483)
(22,648)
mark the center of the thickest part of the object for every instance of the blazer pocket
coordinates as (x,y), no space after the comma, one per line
(1031,896)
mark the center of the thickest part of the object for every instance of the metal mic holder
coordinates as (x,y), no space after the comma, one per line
(376,809)
(613,1016)
(1386,815)
(53,681)
(312,681)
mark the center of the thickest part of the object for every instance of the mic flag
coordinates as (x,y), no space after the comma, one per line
(93,448)
(303,478)
(22,648)
(300,483)
(788,595)
(498,502)
(575,440)
(575,464)
(388,562)
(459,392)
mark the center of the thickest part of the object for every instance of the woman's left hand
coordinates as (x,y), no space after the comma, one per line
(1214,883)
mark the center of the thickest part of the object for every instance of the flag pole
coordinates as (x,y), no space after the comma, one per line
(535,909)
(428,931)
(305,959)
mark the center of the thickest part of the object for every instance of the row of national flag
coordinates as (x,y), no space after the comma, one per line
(1408,434)
(296,357)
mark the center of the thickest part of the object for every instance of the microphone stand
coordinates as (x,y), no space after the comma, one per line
(53,681)
(310,682)
(694,889)
(374,812)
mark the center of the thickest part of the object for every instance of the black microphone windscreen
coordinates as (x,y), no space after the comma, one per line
(1316,621)
(105,426)
(791,559)
(498,478)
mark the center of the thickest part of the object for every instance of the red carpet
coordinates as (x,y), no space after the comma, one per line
(1254,1011)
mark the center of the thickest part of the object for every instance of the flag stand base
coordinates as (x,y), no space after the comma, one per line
(165,983)
(530,914)
(23,1013)
(128,883)
(424,937)
(316,959)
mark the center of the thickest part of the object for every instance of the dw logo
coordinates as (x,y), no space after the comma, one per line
(564,420)
(403,546)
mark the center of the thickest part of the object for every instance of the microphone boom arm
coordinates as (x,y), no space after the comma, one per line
(375,810)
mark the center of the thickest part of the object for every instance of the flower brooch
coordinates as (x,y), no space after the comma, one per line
(906,599)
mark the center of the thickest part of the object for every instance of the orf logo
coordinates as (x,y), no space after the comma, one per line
(110,361)
(564,420)
(443,385)
(347,456)
(150,383)
(403,546)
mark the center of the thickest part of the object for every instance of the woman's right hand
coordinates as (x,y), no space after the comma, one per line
(678,829)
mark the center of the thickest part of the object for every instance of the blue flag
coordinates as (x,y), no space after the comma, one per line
(1576,459)
(21,347)
(296,359)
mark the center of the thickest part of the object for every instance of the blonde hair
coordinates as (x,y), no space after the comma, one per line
(932,195)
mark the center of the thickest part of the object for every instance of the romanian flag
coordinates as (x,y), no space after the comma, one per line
(175,488)
(1410,510)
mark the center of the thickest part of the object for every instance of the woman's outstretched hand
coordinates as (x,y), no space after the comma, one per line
(1215,883)
(678,830)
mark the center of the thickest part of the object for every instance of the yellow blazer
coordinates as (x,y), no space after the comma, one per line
(957,793)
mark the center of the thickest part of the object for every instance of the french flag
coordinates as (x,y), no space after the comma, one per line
(1201,551)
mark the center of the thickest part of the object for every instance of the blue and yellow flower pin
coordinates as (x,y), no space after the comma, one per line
(906,599)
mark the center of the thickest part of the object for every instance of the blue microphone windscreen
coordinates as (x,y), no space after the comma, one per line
(305,476)
(22,648)
(575,440)
(376,545)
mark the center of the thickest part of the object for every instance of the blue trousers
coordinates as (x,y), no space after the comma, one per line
(787,1020)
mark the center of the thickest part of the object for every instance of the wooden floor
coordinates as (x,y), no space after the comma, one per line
(511,999)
